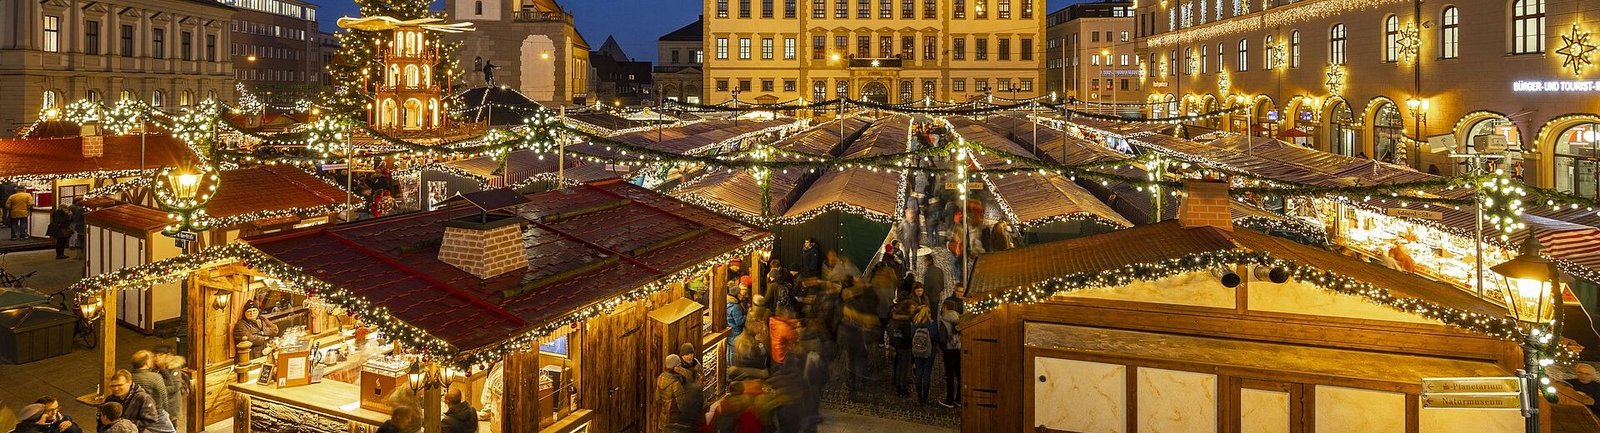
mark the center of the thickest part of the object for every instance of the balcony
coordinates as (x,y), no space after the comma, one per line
(875,63)
(538,16)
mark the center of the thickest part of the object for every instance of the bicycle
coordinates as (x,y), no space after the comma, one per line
(84,329)
(9,280)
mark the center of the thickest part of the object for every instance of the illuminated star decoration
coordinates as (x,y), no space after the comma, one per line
(1278,55)
(1194,65)
(1335,80)
(1575,50)
(1223,83)
(1409,43)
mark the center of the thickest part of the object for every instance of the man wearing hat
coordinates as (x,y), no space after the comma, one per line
(254,329)
(690,364)
(669,394)
(44,416)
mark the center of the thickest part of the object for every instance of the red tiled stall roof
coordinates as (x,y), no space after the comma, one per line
(129,217)
(628,235)
(270,188)
(61,156)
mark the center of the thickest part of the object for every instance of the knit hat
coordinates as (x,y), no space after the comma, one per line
(30,412)
(673,361)
(686,349)
(250,305)
(744,279)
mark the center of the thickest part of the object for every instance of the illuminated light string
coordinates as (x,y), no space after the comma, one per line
(296,280)
(1275,17)
(1500,327)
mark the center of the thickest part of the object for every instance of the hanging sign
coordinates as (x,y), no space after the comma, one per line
(1472,393)
(1414,213)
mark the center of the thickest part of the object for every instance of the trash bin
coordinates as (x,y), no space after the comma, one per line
(30,334)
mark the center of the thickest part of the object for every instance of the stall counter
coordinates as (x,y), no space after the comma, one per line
(327,406)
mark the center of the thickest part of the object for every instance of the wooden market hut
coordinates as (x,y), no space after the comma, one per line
(1340,346)
(574,296)
(61,170)
(248,202)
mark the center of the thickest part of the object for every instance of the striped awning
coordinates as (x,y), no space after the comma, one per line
(1576,243)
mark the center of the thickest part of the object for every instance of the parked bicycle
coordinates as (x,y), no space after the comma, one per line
(84,330)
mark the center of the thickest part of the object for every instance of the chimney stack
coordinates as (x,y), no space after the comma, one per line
(486,246)
(94,146)
(1207,204)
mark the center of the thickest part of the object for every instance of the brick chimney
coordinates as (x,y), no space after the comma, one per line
(1207,204)
(94,146)
(484,245)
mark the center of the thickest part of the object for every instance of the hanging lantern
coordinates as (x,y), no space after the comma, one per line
(1531,281)
(183,192)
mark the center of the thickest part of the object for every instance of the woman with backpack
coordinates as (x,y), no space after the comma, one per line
(922,349)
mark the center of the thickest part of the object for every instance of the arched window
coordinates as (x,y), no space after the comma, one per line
(49,99)
(1391,38)
(94,96)
(185,98)
(1527,26)
(157,99)
(1294,49)
(1188,61)
(1205,58)
(1575,167)
(1222,61)
(411,76)
(1336,42)
(1244,55)
(211,94)
(1387,128)
(477,8)
(1266,53)
(1449,33)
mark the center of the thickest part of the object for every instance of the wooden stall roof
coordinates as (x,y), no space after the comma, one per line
(1025,266)
(604,120)
(1051,142)
(64,155)
(874,191)
(127,217)
(524,164)
(615,237)
(1032,197)
(270,188)
(686,138)
(1119,128)
(739,191)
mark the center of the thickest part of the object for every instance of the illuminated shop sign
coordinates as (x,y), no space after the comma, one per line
(1556,86)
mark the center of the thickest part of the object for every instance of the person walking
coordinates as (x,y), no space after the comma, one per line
(146,376)
(922,350)
(460,417)
(900,333)
(78,225)
(137,405)
(60,229)
(18,208)
(951,311)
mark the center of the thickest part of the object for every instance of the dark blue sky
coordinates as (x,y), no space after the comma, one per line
(635,23)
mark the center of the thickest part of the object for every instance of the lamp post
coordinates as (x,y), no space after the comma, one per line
(1419,117)
(1533,295)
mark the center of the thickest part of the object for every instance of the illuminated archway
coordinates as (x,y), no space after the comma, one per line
(387,117)
(412,114)
(411,76)
(1263,124)
(1339,120)
(1385,130)
(1563,140)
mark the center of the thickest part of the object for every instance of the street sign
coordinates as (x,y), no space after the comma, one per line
(975,185)
(183,236)
(1414,213)
(1472,393)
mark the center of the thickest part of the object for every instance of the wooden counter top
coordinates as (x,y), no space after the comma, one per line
(332,398)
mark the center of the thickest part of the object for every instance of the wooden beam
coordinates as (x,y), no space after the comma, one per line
(108,337)
(196,308)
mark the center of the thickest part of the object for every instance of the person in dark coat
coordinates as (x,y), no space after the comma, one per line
(254,329)
(137,405)
(403,420)
(60,229)
(951,311)
(900,340)
(44,416)
(810,259)
(461,417)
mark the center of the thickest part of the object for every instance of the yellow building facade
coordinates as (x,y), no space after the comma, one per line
(891,51)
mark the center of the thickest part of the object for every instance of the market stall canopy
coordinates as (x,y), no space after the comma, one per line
(606,121)
(1051,143)
(699,137)
(509,106)
(243,195)
(66,157)
(586,245)
(1030,198)
(1027,266)
(873,192)
(527,164)
(1125,129)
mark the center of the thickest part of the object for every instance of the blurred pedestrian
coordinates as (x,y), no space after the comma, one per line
(922,350)
(669,395)
(951,311)
(405,419)
(900,333)
(18,207)
(460,417)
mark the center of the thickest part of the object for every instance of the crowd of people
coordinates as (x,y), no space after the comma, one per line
(147,397)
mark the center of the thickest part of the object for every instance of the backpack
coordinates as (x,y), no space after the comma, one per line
(953,338)
(921,343)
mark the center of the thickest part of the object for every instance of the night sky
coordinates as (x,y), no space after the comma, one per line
(635,23)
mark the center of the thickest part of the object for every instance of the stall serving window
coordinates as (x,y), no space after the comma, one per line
(1577,163)
(1387,128)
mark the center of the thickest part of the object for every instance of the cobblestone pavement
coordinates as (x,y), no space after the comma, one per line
(877,399)
(843,422)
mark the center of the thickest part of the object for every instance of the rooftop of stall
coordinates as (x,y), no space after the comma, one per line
(619,236)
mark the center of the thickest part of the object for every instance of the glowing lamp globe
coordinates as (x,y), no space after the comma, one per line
(1531,283)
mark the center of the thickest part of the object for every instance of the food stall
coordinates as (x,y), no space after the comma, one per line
(512,299)
(1411,246)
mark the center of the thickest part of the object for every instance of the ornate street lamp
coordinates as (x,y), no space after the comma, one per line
(183,191)
(1533,294)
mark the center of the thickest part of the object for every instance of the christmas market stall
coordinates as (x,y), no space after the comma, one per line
(1237,331)
(819,204)
(549,311)
(59,171)
(248,202)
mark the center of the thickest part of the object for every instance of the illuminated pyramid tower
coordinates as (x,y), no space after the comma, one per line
(406,97)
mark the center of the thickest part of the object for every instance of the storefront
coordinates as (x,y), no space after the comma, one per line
(1577,160)
(1341,130)
(397,311)
(1387,130)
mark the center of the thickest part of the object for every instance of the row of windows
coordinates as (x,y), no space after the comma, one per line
(265,52)
(885,48)
(158,99)
(260,29)
(843,86)
(1527,34)
(126,41)
(885,9)
(271,75)
(698,56)
(277,7)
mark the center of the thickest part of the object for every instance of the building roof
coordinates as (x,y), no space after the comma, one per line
(128,217)
(64,156)
(1034,264)
(693,32)
(610,48)
(584,245)
(1032,198)
(270,188)
(477,99)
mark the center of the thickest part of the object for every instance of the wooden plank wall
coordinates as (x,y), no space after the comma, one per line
(613,384)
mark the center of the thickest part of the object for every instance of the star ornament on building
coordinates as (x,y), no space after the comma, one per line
(1410,43)
(1224,84)
(1335,81)
(1575,50)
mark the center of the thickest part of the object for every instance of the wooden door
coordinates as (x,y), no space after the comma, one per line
(1260,406)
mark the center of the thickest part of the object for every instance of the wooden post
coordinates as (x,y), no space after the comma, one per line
(198,305)
(108,338)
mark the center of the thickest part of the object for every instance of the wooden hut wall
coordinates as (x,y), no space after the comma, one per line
(614,385)
(854,236)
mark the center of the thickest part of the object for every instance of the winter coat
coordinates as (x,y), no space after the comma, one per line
(810,262)
(785,334)
(461,418)
(669,395)
(18,204)
(139,407)
(735,318)
(155,385)
(31,426)
(258,332)
(60,224)
(121,426)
